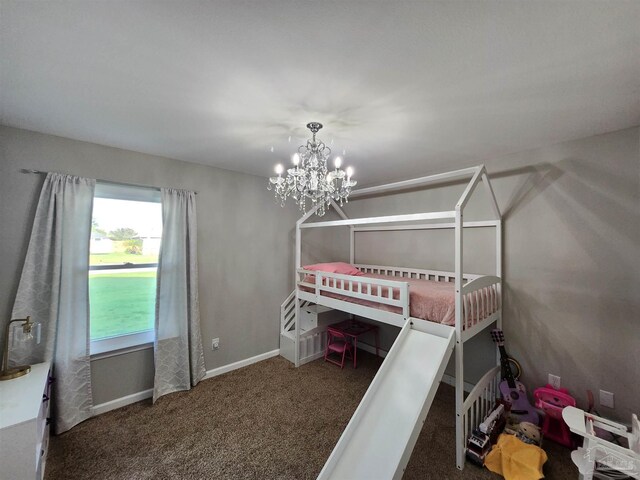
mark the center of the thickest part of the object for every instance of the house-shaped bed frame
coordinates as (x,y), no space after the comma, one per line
(378,440)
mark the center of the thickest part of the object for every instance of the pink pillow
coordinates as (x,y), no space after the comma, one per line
(335,267)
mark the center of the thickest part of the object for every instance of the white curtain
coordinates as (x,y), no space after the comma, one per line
(54,290)
(179,359)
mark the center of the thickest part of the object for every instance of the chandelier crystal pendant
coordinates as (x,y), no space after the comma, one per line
(310,180)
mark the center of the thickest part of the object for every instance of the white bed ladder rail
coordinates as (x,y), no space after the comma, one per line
(310,343)
(288,313)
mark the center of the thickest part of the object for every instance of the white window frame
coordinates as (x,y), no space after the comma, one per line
(122,343)
(119,344)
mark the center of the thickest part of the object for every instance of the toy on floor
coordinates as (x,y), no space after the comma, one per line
(516,460)
(513,392)
(597,450)
(481,439)
(494,423)
(551,401)
(525,431)
(478,446)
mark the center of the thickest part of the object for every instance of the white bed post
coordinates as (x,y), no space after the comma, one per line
(459,351)
(298,263)
(459,224)
(496,212)
(295,286)
(499,274)
(352,245)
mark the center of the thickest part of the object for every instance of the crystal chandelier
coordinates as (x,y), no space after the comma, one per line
(309,179)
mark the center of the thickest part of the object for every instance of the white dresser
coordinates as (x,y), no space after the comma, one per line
(24,424)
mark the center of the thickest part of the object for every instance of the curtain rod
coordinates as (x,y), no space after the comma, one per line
(31,170)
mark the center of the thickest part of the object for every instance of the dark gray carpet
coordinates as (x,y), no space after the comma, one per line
(266,421)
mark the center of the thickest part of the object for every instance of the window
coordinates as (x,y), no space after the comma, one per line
(125,244)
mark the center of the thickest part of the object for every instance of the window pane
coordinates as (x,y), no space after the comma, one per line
(125,231)
(124,234)
(122,301)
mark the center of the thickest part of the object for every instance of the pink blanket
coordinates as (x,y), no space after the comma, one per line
(428,299)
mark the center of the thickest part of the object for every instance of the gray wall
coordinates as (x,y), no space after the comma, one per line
(244,242)
(571,261)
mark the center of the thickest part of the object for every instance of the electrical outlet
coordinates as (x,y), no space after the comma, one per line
(554,381)
(606,399)
(215,344)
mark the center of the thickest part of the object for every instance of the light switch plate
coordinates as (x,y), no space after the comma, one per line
(606,399)
(554,381)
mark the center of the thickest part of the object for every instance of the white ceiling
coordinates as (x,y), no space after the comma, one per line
(407,88)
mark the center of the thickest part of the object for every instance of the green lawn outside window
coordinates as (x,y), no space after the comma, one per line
(121,303)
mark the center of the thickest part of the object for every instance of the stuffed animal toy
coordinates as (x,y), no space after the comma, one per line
(528,433)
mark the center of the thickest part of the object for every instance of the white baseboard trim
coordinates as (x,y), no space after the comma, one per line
(372,349)
(121,402)
(242,363)
(451,380)
(136,397)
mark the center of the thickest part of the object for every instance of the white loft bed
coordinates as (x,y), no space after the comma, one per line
(371,445)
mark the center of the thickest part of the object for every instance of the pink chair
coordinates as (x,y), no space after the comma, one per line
(337,343)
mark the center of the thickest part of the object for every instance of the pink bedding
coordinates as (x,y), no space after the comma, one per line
(428,299)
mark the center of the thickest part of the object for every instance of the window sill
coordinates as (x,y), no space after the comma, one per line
(120,345)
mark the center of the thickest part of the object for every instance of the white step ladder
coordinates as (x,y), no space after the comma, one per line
(314,320)
(380,437)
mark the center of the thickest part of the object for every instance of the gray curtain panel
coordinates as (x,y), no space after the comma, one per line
(54,290)
(179,358)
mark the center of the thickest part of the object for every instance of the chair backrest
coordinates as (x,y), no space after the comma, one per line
(333,333)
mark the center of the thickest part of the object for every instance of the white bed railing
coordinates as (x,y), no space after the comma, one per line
(481,304)
(480,400)
(390,293)
(480,294)
(414,273)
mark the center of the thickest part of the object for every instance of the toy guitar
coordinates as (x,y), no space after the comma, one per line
(513,392)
